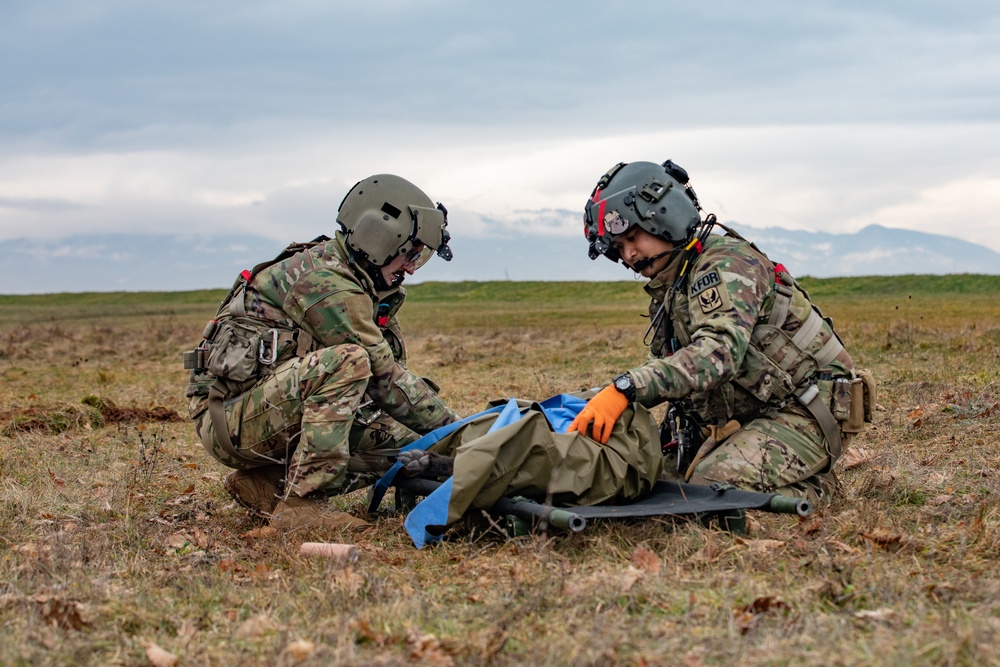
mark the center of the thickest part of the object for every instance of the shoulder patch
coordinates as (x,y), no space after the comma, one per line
(710,299)
(710,279)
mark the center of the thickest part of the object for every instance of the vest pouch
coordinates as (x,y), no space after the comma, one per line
(840,403)
(870,393)
(762,377)
(234,353)
(863,400)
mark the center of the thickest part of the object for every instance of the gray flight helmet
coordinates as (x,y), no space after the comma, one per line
(654,197)
(384,216)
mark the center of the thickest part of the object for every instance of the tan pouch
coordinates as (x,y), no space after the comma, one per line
(870,393)
(863,397)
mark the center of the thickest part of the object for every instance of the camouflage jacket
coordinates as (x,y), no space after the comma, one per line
(320,292)
(726,360)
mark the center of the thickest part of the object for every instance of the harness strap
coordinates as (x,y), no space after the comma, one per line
(808,330)
(217,413)
(782,301)
(237,307)
(829,352)
(809,397)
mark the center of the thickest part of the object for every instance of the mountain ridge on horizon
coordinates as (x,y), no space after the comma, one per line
(137,262)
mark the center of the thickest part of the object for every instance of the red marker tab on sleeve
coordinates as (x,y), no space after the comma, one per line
(245,275)
(382,316)
(780,269)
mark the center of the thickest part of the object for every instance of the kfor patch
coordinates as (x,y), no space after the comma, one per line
(706,290)
(710,279)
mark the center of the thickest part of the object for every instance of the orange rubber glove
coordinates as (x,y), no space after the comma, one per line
(604,410)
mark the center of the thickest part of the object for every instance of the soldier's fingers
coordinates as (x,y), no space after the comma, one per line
(606,428)
(580,422)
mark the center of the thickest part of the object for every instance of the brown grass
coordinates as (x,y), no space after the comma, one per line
(116,536)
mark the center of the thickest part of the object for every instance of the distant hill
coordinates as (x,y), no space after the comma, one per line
(169,263)
(874,250)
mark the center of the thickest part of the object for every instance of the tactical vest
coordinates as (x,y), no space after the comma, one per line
(780,366)
(238,350)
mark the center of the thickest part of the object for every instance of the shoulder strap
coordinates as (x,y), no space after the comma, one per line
(235,301)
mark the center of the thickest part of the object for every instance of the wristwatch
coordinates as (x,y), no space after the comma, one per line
(625,385)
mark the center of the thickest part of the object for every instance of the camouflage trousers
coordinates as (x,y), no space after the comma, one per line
(310,415)
(781,453)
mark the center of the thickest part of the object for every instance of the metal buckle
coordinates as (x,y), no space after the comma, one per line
(269,358)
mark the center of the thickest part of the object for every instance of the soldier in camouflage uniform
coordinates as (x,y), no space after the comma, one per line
(736,345)
(301,382)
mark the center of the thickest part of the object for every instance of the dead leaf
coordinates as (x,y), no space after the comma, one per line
(58,481)
(369,634)
(762,605)
(883,615)
(708,553)
(761,546)
(940,500)
(941,592)
(65,614)
(32,550)
(178,540)
(190,489)
(846,548)
(159,657)
(646,560)
(191,466)
(811,526)
(299,649)
(854,457)
(256,626)
(200,538)
(427,649)
(188,628)
(229,565)
(746,617)
(629,577)
(883,540)
(263,531)
(916,413)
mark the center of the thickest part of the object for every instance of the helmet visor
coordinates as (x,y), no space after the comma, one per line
(417,256)
(429,229)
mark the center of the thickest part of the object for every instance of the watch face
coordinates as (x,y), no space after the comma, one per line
(621,383)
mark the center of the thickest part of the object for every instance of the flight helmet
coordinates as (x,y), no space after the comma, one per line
(384,216)
(655,197)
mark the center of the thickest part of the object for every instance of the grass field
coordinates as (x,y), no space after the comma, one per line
(117,540)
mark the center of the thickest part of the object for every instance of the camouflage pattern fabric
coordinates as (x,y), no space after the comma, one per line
(304,415)
(304,410)
(729,293)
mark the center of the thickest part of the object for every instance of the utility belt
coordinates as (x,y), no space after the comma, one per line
(238,350)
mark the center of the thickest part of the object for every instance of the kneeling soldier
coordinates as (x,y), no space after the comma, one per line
(744,357)
(300,382)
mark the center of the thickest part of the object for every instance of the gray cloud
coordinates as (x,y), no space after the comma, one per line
(253,118)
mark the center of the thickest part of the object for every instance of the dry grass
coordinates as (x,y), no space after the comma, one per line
(116,536)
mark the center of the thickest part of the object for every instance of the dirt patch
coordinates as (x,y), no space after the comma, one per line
(92,412)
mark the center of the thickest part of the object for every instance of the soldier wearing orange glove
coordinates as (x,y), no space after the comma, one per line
(733,338)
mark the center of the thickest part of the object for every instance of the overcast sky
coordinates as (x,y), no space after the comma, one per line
(195,118)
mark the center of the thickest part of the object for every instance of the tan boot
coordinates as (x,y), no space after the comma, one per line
(256,489)
(294,513)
